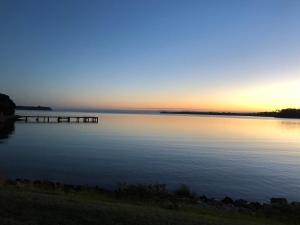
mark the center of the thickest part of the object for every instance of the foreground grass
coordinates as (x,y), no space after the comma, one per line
(31,205)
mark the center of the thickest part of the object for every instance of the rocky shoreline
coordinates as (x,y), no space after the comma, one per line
(158,192)
(25,201)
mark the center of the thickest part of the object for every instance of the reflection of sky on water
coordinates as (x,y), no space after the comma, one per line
(241,157)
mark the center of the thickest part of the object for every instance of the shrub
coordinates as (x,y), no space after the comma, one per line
(184,191)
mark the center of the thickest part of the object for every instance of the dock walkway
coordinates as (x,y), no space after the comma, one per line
(58,119)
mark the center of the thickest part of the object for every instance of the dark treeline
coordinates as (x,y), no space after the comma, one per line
(283,113)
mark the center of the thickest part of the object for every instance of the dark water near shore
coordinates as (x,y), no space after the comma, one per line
(250,158)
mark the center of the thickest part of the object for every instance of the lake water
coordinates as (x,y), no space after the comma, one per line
(240,157)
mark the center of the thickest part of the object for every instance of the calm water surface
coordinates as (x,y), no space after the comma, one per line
(250,158)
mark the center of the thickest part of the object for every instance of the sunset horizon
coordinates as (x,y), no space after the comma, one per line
(233,56)
(155,112)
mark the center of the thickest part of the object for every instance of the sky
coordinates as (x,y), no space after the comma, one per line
(213,55)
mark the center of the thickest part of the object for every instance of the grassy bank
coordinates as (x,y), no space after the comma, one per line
(48,203)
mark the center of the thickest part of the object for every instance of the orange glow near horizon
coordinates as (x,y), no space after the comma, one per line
(247,98)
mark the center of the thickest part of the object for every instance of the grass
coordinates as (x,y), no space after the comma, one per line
(29,204)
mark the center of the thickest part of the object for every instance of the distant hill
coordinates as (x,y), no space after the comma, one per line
(41,108)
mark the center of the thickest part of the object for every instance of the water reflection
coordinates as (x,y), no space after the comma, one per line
(241,157)
(291,125)
(6,129)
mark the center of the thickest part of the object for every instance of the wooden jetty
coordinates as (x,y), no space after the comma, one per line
(58,119)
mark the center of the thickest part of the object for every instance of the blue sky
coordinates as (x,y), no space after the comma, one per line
(210,55)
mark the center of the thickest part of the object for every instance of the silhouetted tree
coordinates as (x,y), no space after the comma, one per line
(7,106)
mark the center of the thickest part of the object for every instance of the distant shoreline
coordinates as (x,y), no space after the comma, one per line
(39,108)
(284,113)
